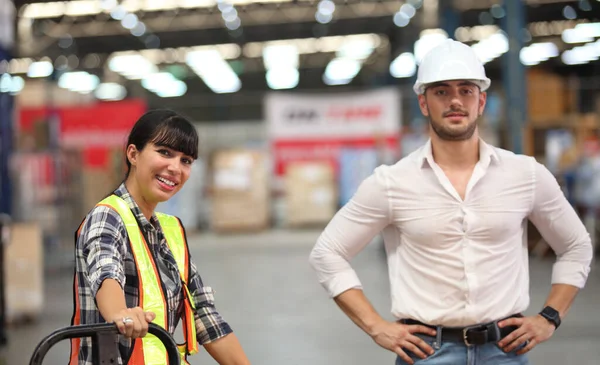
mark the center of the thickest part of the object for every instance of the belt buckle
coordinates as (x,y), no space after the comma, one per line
(465,336)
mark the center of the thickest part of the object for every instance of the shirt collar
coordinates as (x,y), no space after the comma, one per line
(487,154)
(124,194)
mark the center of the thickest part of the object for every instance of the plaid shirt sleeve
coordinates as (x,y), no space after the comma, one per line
(102,247)
(210,326)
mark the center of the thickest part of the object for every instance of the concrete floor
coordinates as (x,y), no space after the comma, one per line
(266,290)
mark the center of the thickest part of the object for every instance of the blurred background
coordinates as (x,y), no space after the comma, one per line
(296,102)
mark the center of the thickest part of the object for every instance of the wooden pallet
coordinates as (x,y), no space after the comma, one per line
(22,319)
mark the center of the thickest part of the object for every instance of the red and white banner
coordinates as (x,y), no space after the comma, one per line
(95,129)
(315,127)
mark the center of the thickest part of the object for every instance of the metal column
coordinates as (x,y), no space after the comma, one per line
(6,121)
(403,40)
(7,19)
(514,73)
(449,17)
(416,119)
(6,136)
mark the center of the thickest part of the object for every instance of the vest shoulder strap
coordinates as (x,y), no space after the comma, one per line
(122,208)
(167,221)
(173,231)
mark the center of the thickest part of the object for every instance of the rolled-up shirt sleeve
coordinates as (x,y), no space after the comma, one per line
(561,227)
(210,325)
(103,247)
(349,231)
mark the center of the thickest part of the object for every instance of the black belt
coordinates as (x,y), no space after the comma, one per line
(472,335)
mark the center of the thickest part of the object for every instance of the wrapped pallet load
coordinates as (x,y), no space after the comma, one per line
(24,274)
(240,191)
(311,193)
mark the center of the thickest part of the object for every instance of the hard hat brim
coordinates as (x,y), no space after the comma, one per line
(483,84)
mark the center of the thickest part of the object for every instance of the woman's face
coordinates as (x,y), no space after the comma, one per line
(160,172)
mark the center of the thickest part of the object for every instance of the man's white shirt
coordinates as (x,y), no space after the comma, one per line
(455,262)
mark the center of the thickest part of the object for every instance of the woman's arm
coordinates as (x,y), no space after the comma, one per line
(110,299)
(227,351)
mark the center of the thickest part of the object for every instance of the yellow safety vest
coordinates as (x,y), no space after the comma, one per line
(150,350)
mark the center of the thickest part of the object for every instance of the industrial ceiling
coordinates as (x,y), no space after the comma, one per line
(87,36)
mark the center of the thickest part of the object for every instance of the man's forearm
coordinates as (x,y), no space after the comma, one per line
(355,304)
(561,298)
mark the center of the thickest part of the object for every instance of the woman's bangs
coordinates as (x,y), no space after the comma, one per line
(179,138)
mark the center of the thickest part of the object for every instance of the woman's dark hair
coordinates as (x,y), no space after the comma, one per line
(164,128)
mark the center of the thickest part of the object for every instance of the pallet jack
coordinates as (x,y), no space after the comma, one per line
(104,347)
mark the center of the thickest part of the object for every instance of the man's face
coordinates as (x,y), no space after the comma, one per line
(453,108)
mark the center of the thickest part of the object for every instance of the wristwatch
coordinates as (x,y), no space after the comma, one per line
(551,315)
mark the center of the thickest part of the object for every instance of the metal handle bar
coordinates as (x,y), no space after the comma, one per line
(99,332)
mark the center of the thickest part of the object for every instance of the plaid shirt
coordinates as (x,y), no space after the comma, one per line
(102,253)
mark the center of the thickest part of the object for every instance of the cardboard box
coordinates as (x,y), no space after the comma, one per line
(311,193)
(231,213)
(240,191)
(24,270)
(547,96)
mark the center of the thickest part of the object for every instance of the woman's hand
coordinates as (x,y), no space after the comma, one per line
(133,322)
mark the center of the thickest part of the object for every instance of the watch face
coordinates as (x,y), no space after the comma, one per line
(552,315)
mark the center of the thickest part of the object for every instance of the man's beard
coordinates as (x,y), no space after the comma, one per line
(451,134)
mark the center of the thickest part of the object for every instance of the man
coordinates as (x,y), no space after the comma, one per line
(453,215)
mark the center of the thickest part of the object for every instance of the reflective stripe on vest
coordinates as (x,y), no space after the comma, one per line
(150,350)
(175,236)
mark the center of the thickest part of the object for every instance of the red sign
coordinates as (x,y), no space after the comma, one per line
(287,151)
(92,128)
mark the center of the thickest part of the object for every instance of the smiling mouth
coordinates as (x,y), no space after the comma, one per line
(166,181)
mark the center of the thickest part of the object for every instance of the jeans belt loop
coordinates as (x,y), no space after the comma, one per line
(497,331)
(438,338)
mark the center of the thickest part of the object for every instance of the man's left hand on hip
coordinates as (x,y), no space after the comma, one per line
(535,329)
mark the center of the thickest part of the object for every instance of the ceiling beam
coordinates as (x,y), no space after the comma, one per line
(36,35)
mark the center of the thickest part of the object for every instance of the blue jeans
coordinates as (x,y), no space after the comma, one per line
(455,353)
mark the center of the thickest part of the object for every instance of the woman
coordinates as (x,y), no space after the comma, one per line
(133,265)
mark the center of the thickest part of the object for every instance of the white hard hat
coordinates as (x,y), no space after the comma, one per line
(451,60)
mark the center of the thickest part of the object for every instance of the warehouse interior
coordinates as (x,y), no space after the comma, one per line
(261,80)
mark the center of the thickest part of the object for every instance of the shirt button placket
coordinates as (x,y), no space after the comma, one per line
(463,212)
(467,264)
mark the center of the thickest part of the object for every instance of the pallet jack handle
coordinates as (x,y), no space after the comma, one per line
(104,347)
